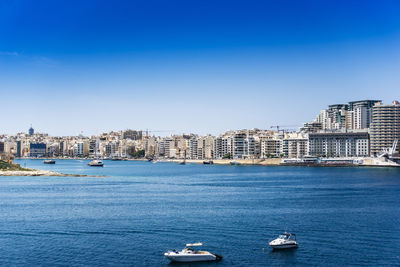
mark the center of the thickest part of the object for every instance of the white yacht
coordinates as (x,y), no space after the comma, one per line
(96,163)
(286,240)
(188,254)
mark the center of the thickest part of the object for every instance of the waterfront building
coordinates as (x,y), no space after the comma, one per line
(240,148)
(182,146)
(37,149)
(245,144)
(111,149)
(200,148)
(151,147)
(385,127)
(218,148)
(93,146)
(53,149)
(270,146)
(223,146)
(166,145)
(295,145)
(79,149)
(339,144)
(19,148)
(2,147)
(62,148)
(205,147)
(193,147)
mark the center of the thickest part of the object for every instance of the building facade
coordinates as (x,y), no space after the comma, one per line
(385,127)
(339,144)
(37,149)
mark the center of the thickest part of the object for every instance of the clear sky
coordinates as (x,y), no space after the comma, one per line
(190,66)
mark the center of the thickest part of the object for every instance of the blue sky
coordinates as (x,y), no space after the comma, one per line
(190,66)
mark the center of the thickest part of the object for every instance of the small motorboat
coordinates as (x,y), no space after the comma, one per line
(49,161)
(208,162)
(188,254)
(96,163)
(286,240)
(234,162)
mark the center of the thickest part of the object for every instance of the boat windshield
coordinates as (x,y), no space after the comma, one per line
(288,237)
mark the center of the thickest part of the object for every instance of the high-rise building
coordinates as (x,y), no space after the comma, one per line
(240,148)
(61,148)
(2,147)
(193,147)
(354,115)
(362,113)
(19,148)
(337,115)
(385,127)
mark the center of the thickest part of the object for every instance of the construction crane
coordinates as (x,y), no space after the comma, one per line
(278,127)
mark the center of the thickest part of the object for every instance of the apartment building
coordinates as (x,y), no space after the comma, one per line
(385,127)
(295,145)
(339,144)
(270,146)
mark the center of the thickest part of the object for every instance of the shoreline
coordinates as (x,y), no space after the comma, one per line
(366,162)
(35,172)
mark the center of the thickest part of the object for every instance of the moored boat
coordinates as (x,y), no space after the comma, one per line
(285,240)
(208,162)
(49,161)
(188,254)
(96,163)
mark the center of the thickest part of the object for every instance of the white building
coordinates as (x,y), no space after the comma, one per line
(295,145)
(339,144)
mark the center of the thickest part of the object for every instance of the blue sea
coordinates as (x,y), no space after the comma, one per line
(342,216)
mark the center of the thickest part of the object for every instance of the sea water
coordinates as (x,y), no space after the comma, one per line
(341,216)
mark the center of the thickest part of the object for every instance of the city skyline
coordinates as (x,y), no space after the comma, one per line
(203,67)
(360,128)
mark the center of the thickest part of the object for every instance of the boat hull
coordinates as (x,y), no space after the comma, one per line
(284,246)
(191,258)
